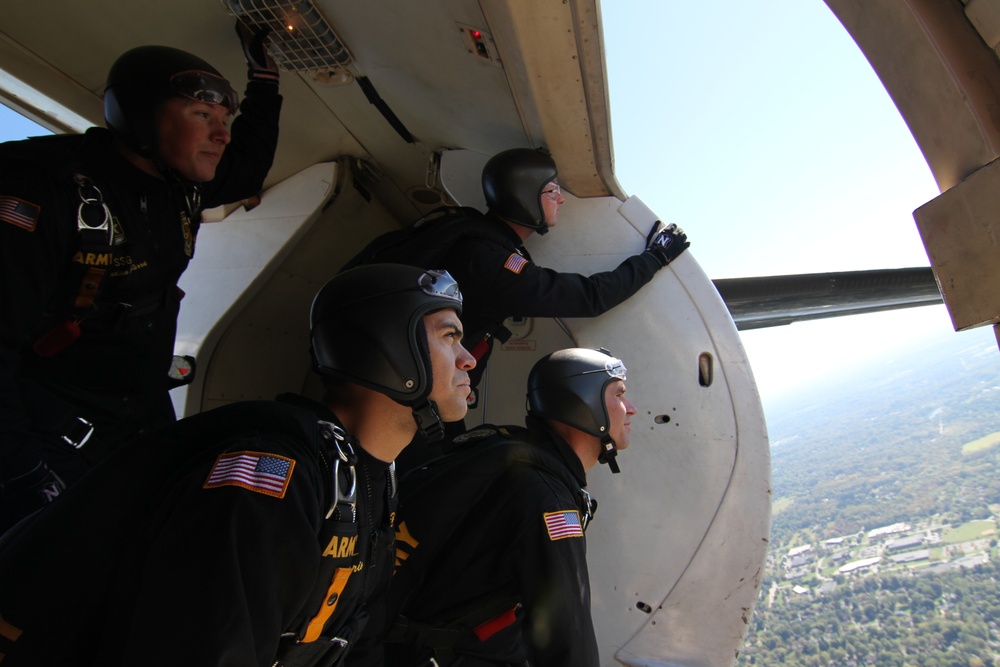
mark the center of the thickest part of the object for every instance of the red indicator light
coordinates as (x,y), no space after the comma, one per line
(478,42)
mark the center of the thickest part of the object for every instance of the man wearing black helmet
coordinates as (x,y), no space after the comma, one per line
(486,254)
(253,534)
(95,231)
(490,552)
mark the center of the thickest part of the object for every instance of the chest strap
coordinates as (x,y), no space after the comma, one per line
(95,234)
(443,639)
(323,628)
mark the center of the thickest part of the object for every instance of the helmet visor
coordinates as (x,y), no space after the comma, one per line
(440,283)
(205,87)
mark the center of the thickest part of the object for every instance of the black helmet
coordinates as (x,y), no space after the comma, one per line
(366,328)
(142,79)
(568,386)
(513,181)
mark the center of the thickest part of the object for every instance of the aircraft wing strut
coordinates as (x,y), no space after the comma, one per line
(769,301)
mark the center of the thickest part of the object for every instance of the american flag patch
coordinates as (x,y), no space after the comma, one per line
(515,263)
(563,524)
(19,213)
(263,473)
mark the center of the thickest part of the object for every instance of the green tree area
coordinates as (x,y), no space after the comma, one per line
(935,620)
(888,485)
(886,499)
(895,451)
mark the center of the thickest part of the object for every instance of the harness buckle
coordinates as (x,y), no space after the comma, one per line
(78,432)
(590,505)
(346,455)
(91,199)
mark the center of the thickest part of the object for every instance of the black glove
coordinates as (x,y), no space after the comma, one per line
(666,244)
(260,64)
(31,491)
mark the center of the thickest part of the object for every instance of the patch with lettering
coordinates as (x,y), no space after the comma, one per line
(254,471)
(342,546)
(563,524)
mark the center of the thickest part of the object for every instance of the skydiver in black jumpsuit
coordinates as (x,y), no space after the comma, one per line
(486,255)
(95,231)
(254,534)
(490,550)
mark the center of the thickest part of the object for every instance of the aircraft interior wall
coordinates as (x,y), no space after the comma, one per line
(260,347)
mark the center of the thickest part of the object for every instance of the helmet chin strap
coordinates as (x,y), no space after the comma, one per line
(192,190)
(429,424)
(609,454)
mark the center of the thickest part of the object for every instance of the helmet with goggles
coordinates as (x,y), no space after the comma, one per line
(367,328)
(568,386)
(514,182)
(143,78)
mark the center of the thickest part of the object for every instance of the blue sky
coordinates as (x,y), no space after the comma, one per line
(15,126)
(761,130)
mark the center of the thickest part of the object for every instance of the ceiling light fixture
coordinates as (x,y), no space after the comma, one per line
(301,38)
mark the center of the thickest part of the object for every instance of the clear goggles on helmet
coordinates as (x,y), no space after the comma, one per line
(204,87)
(439,283)
(615,368)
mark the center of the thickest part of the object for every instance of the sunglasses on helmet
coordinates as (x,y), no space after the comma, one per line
(205,87)
(439,283)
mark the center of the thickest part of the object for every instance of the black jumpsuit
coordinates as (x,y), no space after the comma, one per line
(498,279)
(497,284)
(115,374)
(203,546)
(491,557)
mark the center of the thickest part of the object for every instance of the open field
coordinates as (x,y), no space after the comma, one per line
(985,442)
